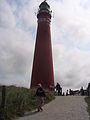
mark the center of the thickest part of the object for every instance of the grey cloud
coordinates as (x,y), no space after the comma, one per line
(70,30)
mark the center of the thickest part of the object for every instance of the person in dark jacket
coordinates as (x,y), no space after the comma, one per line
(59,89)
(40,93)
(88,89)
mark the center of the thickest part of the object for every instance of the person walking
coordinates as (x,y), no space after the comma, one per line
(59,89)
(88,89)
(40,93)
(67,93)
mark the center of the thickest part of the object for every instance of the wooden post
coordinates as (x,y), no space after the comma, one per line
(3,103)
(3,96)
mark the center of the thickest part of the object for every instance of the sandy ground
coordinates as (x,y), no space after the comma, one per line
(62,108)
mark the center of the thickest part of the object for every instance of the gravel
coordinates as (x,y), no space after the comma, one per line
(62,108)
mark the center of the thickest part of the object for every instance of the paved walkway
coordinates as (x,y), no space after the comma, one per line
(62,108)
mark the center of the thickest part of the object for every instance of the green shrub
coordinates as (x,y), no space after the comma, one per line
(20,100)
(87,99)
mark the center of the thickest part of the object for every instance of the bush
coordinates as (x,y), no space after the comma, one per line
(87,99)
(20,100)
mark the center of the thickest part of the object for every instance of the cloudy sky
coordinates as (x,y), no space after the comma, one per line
(70,31)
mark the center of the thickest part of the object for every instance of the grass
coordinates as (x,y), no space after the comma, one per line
(20,100)
(87,99)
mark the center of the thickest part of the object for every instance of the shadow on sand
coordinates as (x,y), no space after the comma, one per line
(31,113)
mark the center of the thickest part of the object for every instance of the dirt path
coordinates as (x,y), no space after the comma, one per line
(62,108)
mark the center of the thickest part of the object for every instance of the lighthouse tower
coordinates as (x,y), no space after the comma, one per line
(42,71)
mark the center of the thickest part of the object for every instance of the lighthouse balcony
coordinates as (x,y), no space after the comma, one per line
(44,11)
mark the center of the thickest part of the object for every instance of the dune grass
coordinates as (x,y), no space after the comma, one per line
(87,99)
(20,100)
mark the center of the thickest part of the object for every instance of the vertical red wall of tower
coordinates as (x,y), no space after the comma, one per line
(42,71)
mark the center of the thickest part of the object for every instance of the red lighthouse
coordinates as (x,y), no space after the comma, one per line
(42,71)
